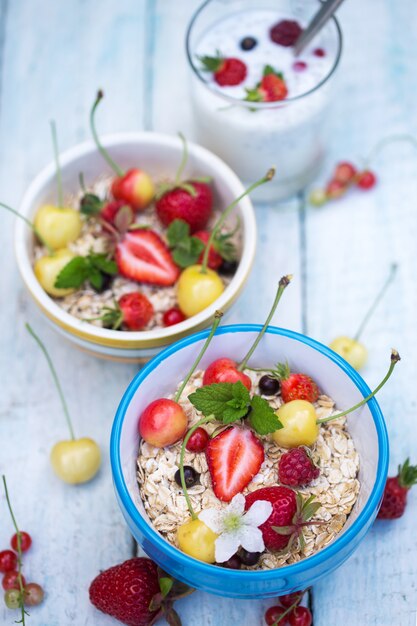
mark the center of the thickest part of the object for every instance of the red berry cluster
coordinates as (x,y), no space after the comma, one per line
(18,593)
(345,175)
(289,612)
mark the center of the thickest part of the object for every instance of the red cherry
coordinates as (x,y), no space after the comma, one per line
(135,188)
(198,440)
(225,371)
(11,580)
(335,189)
(273,614)
(25,541)
(300,616)
(8,561)
(299,66)
(344,172)
(290,598)
(162,423)
(366,180)
(319,52)
(173,316)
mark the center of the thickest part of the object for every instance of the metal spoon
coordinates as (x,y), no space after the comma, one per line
(316,24)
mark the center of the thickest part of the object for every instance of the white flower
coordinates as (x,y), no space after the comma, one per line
(236,528)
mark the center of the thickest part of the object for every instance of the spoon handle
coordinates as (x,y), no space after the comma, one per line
(316,24)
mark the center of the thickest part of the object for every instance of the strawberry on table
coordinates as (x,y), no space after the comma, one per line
(234,457)
(271,88)
(142,256)
(227,71)
(396,491)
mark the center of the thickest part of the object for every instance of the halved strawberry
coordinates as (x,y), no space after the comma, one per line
(142,256)
(234,457)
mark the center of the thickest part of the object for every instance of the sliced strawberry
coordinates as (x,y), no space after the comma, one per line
(234,457)
(143,256)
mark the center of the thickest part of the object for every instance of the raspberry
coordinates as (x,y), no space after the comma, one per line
(296,468)
(285,33)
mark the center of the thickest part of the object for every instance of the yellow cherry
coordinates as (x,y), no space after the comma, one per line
(57,226)
(197,540)
(47,269)
(196,290)
(298,419)
(76,461)
(353,351)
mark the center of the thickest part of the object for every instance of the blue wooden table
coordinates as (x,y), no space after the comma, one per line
(53,57)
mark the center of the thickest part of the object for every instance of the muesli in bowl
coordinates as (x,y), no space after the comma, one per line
(246,468)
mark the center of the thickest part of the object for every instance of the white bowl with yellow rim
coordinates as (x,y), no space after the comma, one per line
(159,155)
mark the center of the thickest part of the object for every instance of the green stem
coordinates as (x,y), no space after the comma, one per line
(57,165)
(117,170)
(217,317)
(377,300)
(183,160)
(268,176)
(395,357)
(204,420)
(19,552)
(387,141)
(283,283)
(29,223)
(55,377)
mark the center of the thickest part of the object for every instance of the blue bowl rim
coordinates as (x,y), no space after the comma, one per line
(200,567)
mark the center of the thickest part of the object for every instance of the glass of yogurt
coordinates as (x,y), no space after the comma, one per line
(254,103)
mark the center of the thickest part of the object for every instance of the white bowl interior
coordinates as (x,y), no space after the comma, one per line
(273,348)
(159,155)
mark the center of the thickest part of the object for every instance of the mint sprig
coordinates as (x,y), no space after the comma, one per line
(186,250)
(92,268)
(229,402)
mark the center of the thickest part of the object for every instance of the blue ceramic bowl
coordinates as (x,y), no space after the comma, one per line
(334,376)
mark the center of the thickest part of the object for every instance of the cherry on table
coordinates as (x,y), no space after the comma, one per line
(11,580)
(268,385)
(198,440)
(273,614)
(190,475)
(25,541)
(366,180)
(300,616)
(291,598)
(8,561)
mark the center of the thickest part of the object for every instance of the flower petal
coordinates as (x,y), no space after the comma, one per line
(258,513)
(251,539)
(237,505)
(213,518)
(226,545)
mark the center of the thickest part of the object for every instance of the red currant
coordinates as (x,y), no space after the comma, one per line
(299,66)
(173,316)
(366,180)
(198,440)
(8,561)
(291,598)
(33,594)
(12,599)
(344,172)
(300,616)
(11,580)
(273,614)
(335,189)
(25,541)
(319,52)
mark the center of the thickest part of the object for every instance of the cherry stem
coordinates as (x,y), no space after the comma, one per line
(283,283)
(117,170)
(204,420)
(29,223)
(217,317)
(268,176)
(19,551)
(386,142)
(57,164)
(55,377)
(377,300)
(395,357)
(184,160)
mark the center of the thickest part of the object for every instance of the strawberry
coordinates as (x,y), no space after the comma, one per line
(396,490)
(141,255)
(222,249)
(111,209)
(214,258)
(191,201)
(271,88)
(234,457)
(285,33)
(227,71)
(134,594)
(296,386)
(296,468)
(290,513)
(134,310)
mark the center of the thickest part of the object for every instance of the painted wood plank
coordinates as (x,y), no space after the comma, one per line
(350,245)
(69,50)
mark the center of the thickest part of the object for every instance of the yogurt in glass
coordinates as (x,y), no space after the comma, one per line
(251,136)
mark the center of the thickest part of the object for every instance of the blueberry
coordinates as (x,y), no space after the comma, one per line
(228,267)
(248,43)
(106,283)
(268,385)
(249,558)
(190,475)
(233,563)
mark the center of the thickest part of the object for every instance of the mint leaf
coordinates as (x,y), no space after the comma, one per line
(103,263)
(228,402)
(177,231)
(95,278)
(187,252)
(73,274)
(91,204)
(262,417)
